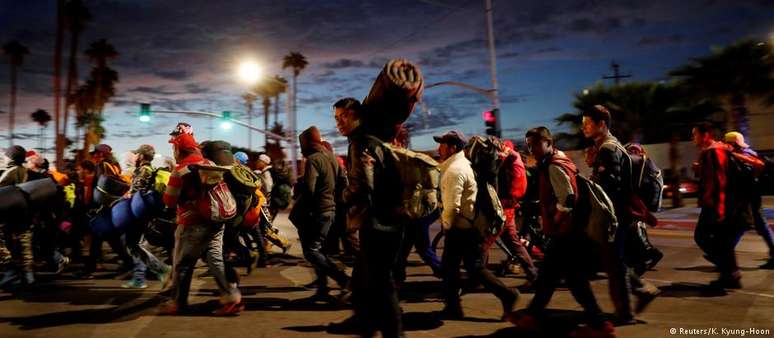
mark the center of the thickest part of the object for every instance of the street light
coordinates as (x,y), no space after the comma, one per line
(226,124)
(249,72)
(145,112)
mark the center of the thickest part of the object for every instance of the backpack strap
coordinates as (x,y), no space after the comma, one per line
(631,164)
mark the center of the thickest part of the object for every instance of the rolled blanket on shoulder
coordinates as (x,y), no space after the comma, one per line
(396,90)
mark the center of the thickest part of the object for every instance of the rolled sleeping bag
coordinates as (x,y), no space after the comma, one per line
(392,97)
(139,207)
(102,223)
(109,189)
(39,192)
(153,202)
(13,204)
(121,215)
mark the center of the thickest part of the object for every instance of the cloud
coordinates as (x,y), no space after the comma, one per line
(587,25)
(344,63)
(156,90)
(660,40)
(173,74)
(195,88)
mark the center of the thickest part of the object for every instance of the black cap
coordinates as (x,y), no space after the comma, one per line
(454,137)
(182,128)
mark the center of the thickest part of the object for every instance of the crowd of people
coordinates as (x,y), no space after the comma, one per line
(376,205)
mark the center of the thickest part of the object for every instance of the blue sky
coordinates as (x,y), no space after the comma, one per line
(182,54)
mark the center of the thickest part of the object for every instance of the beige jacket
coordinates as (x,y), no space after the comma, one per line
(458,192)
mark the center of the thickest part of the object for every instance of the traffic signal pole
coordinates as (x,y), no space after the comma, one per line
(492,60)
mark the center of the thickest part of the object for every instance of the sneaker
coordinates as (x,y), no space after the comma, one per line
(605,331)
(509,307)
(230,309)
(726,283)
(63,263)
(163,276)
(645,298)
(769,265)
(349,326)
(28,278)
(168,309)
(525,323)
(135,284)
(656,257)
(286,249)
(452,312)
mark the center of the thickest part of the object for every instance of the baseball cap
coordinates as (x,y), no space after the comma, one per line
(735,137)
(454,137)
(182,128)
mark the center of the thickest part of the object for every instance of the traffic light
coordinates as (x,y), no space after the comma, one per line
(145,112)
(490,121)
(226,124)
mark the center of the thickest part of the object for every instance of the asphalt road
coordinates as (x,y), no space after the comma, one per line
(276,307)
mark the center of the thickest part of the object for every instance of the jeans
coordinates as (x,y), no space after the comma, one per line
(418,236)
(191,241)
(761,225)
(374,295)
(142,258)
(565,257)
(313,236)
(466,246)
(510,238)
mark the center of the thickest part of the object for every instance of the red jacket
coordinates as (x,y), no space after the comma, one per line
(713,166)
(183,191)
(512,180)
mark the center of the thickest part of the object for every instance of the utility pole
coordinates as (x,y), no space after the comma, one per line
(492,58)
(617,76)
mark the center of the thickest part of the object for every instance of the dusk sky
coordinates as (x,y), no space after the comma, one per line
(180,54)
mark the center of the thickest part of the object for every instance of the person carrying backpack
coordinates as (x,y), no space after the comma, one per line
(568,246)
(745,153)
(464,242)
(648,186)
(16,233)
(315,210)
(143,184)
(612,170)
(511,187)
(722,220)
(202,204)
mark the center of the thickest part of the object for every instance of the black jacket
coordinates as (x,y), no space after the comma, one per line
(373,195)
(317,192)
(612,171)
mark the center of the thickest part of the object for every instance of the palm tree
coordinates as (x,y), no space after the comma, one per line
(736,72)
(60,27)
(76,17)
(249,99)
(42,117)
(265,90)
(15,52)
(280,86)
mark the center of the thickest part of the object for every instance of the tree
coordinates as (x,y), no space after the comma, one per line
(265,89)
(76,17)
(42,118)
(97,92)
(280,87)
(249,99)
(15,52)
(642,112)
(734,73)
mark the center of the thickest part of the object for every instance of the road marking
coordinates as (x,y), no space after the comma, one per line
(749,293)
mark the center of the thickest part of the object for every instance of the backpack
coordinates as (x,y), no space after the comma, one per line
(512,180)
(217,203)
(160,179)
(242,183)
(420,176)
(282,192)
(484,157)
(594,212)
(741,184)
(648,183)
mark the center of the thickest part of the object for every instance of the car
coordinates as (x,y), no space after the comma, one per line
(687,189)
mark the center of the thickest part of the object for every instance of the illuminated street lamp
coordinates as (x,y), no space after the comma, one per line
(249,72)
(145,112)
